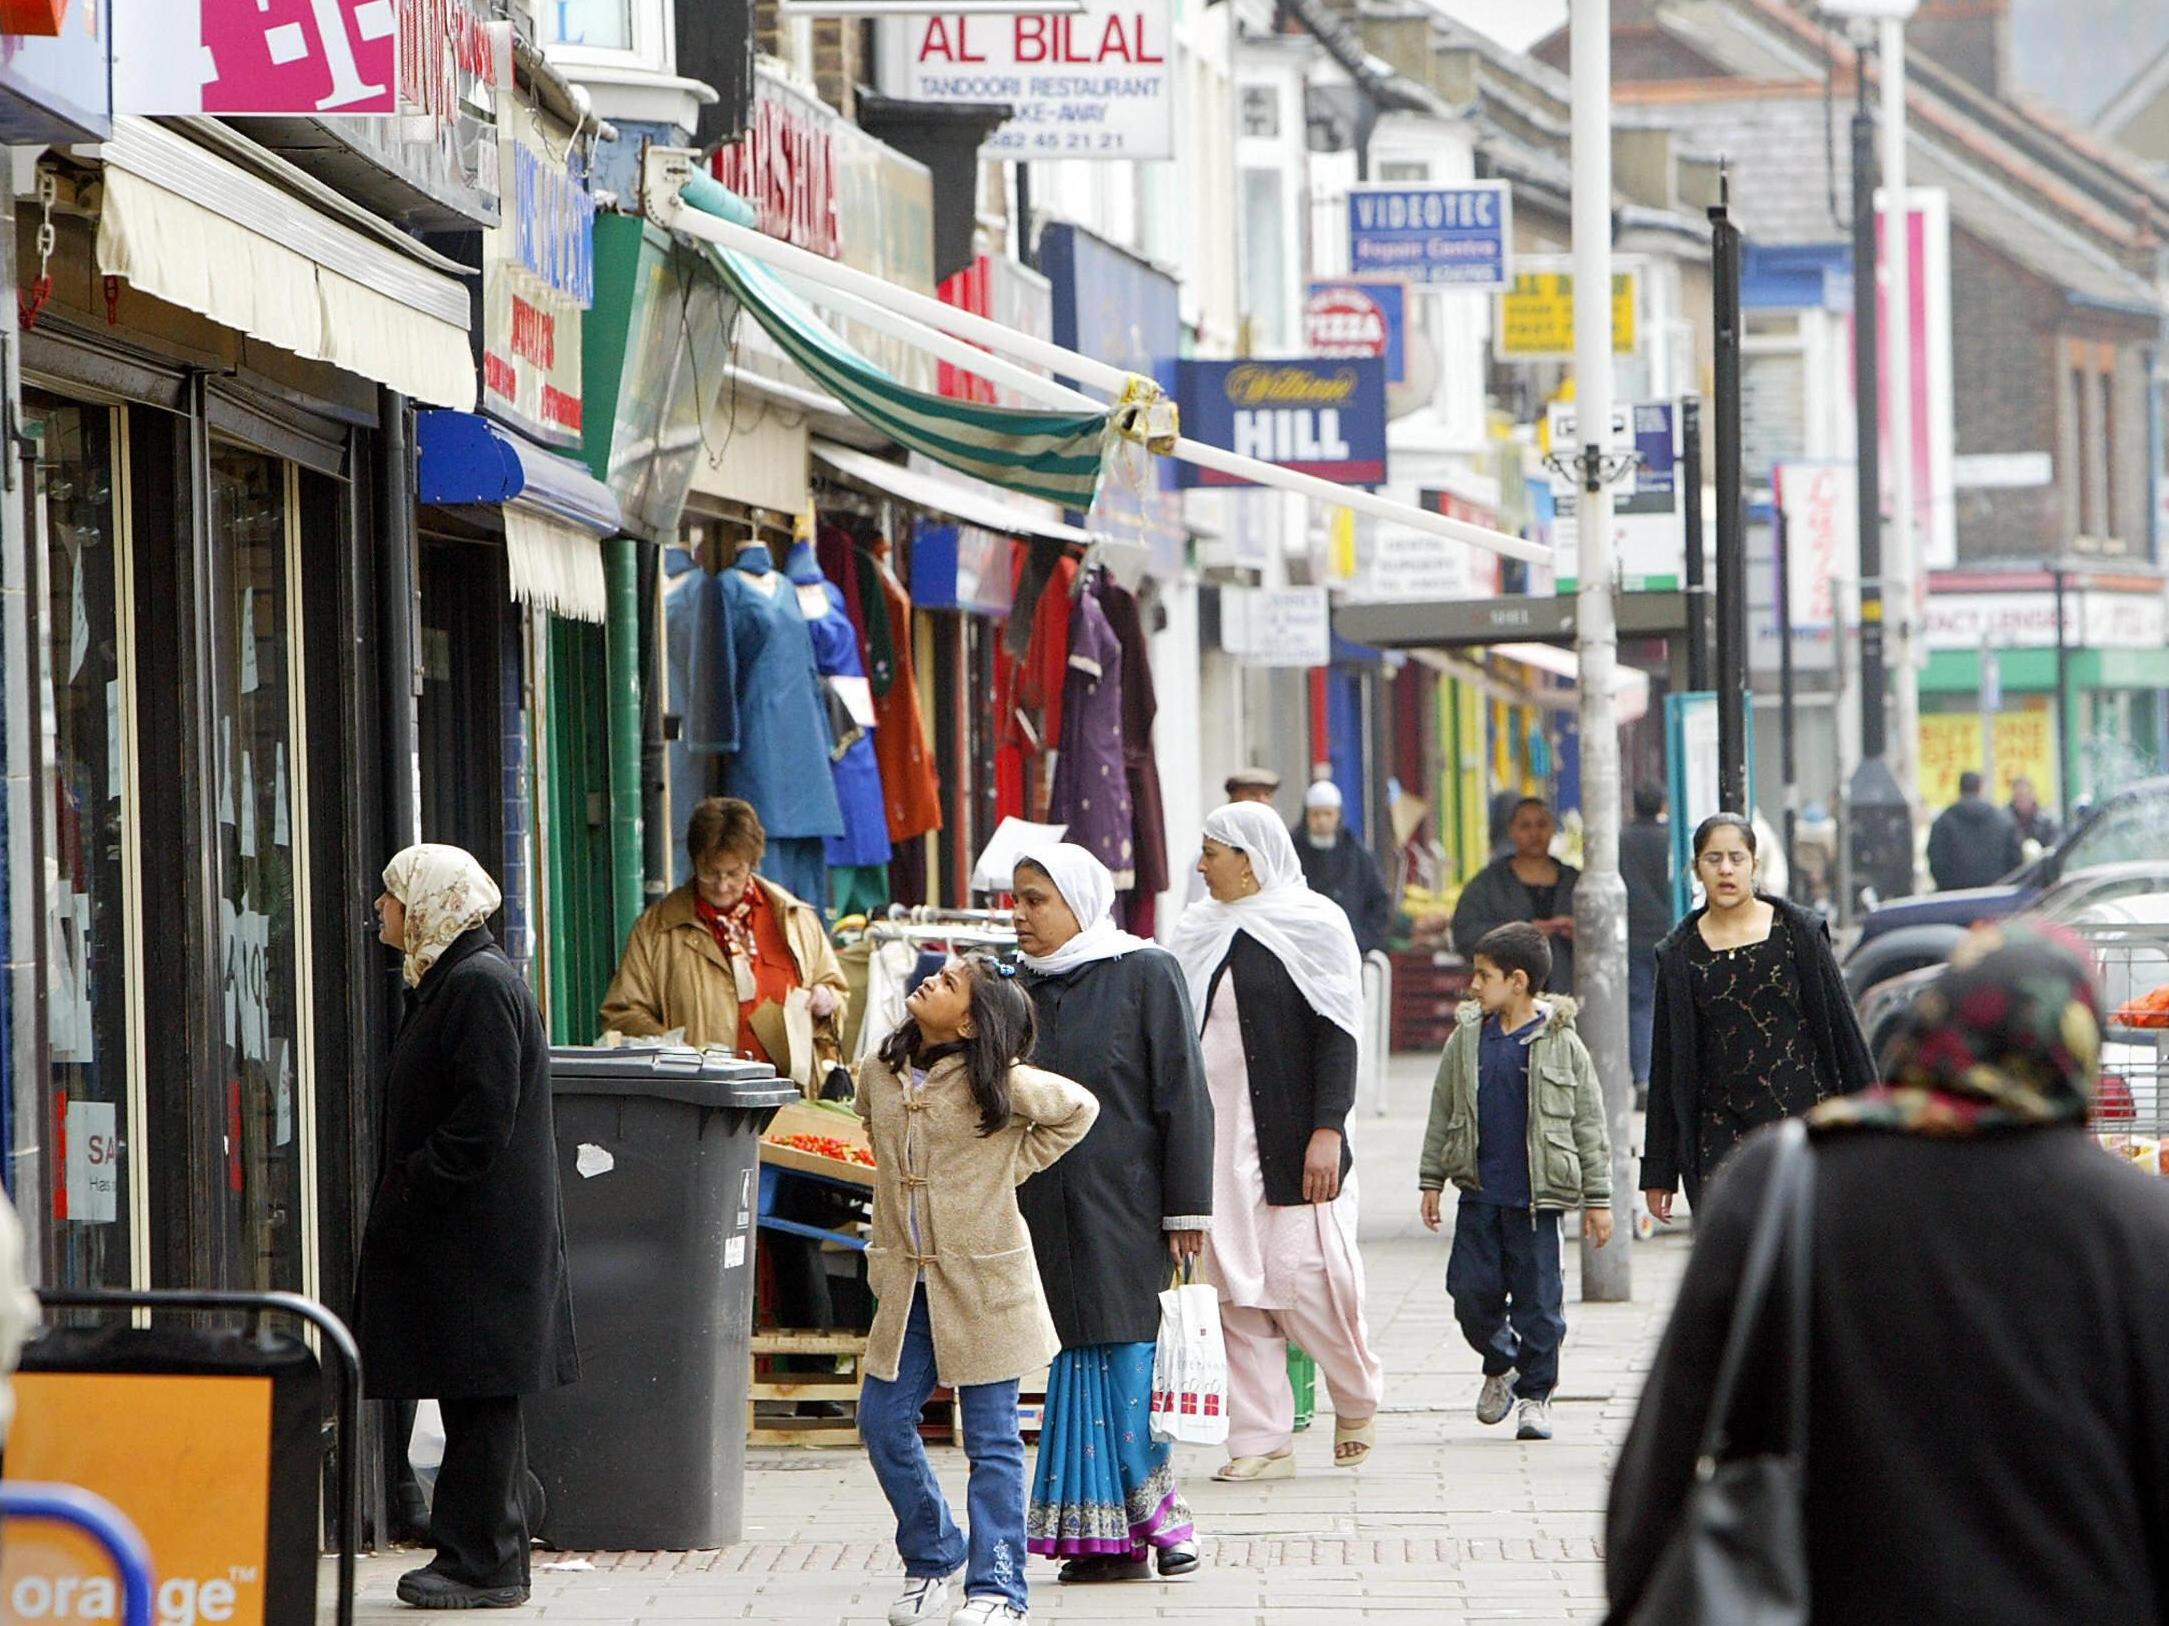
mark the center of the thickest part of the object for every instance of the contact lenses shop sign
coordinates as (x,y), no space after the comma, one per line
(1320,417)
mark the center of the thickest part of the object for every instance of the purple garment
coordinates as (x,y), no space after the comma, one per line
(1091,779)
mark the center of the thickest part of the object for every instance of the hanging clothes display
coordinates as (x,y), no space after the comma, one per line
(907,763)
(858,860)
(758,700)
(1091,779)
(1140,711)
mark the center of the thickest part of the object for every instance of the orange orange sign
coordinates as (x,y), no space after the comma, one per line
(187,1458)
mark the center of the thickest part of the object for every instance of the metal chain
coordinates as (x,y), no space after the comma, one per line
(41,290)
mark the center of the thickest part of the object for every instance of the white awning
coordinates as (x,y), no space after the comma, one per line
(1630,687)
(555,564)
(191,228)
(960,498)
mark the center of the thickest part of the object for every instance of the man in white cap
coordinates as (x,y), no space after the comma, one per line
(1342,868)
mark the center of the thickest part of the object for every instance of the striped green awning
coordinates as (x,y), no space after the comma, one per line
(1056,456)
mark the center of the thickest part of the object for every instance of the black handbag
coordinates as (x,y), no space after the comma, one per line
(1739,1556)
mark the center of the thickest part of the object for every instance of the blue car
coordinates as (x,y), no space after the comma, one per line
(1909,933)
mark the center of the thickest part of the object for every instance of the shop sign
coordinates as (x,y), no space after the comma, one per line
(1649,536)
(889,200)
(187,1458)
(1325,418)
(1406,566)
(1437,236)
(1950,745)
(1276,626)
(1820,502)
(1012,294)
(1928,262)
(785,167)
(58,86)
(1342,319)
(538,277)
(293,57)
(2093,619)
(1536,314)
(1092,84)
(1111,305)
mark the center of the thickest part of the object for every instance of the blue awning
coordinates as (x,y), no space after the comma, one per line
(462,457)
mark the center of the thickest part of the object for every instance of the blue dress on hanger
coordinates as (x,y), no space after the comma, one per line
(757,699)
(865,840)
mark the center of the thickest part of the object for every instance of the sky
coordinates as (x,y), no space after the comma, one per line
(1515,24)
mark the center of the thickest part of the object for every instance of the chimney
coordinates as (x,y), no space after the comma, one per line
(1972,38)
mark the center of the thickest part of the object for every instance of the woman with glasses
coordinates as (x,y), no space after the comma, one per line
(1752,1025)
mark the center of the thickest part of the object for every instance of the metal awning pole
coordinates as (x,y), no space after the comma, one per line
(908,316)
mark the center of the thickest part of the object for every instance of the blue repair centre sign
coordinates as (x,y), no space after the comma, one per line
(1434,236)
(1326,418)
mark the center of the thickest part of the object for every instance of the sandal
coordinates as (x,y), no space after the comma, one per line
(1352,1442)
(1245,1470)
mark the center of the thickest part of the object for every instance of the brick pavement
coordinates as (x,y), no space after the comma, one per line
(1450,1520)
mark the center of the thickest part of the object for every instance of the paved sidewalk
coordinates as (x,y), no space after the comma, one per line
(1449,1521)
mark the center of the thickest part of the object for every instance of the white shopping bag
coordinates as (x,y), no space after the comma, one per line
(1190,1368)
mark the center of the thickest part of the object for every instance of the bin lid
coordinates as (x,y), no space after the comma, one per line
(703,1078)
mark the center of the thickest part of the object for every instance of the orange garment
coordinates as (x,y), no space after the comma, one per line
(750,931)
(908,783)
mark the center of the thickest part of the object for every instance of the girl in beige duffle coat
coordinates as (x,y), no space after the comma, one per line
(958,1123)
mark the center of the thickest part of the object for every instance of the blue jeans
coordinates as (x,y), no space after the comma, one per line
(1641,1010)
(1509,1291)
(926,1535)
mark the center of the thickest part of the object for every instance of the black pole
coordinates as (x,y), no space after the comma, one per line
(1867,361)
(654,750)
(1731,513)
(1027,244)
(2064,786)
(395,619)
(1880,836)
(1698,587)
(1788,761)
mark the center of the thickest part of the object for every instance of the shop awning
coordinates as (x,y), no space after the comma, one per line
(967,500)
(555,512)
(1051,455)
(189,227)
(1630,688)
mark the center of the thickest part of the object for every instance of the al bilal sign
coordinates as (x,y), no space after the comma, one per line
(1094,83)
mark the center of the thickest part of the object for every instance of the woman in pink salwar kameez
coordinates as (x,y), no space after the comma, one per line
(1275,976)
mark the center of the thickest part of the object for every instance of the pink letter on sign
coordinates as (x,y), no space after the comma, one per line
(301,56)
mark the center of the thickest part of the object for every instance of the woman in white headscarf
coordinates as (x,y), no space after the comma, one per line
(1272,969)
(462,1295)
(1105,1220)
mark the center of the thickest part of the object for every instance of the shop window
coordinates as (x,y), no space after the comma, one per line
(602,31)
(265,1134)
(90,1117)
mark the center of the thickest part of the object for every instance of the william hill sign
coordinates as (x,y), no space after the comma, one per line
(1324,417)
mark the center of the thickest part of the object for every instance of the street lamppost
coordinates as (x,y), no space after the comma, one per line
(1879,809)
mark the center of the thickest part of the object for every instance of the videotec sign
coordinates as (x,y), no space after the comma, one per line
(1433,236)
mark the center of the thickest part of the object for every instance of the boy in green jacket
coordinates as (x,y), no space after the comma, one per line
(1517,1124)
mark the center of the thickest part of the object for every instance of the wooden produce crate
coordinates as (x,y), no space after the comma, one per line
(769,1384)
(804,1118)
(1427,989)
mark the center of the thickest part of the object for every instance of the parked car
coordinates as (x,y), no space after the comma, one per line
(2130,827)
(2129,935)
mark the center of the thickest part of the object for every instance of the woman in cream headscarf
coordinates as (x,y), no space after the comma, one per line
(462,1296)
(1283,1074)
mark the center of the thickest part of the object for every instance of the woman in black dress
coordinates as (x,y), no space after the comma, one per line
(1752,1025)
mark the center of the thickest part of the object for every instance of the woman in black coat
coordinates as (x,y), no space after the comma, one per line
(463,1296)
(1751,1025)
(1988,1367)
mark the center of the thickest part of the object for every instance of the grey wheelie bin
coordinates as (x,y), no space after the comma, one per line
(657,1151)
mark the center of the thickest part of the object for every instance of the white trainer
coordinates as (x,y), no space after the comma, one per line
(1535,1420)
(989,1612)
(1496,1400)
(925,1601)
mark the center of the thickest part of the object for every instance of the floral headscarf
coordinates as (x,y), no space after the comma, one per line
(445,893)
(2008,1038)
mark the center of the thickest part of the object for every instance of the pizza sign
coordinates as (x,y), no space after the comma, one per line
(1356,320)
